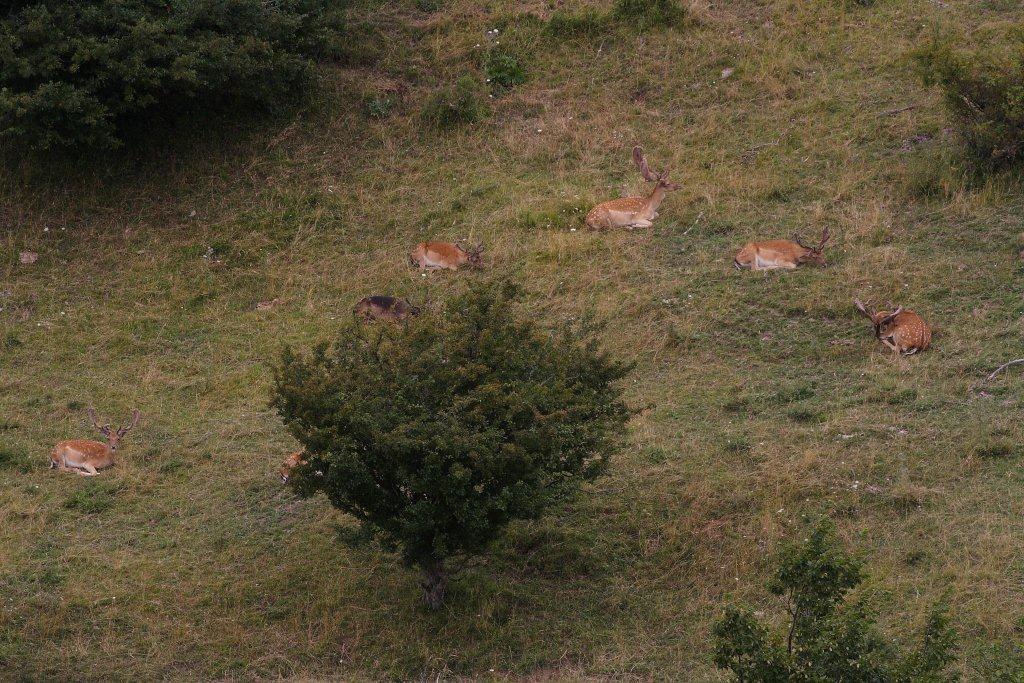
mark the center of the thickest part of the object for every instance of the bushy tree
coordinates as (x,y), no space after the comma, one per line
(829,639)
(984,91)
(73,74)
(437,433)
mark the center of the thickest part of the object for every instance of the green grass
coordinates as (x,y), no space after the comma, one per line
(765,398)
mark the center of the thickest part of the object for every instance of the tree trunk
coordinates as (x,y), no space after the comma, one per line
(435,580)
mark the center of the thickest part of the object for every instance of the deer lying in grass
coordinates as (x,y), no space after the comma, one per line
(449,255)
(384,308)
(905,332)
(291,462)
(86,457)
(633,212)
(788,254)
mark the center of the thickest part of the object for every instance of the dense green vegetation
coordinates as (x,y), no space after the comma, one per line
(78,74)
(984,91)
(829,638)
(170,280)
(438,435)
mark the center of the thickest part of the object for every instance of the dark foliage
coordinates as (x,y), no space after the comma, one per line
(438,433)
(829,638)
(984,92)
(75,74)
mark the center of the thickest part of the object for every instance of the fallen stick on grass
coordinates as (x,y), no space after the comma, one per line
(1004,366)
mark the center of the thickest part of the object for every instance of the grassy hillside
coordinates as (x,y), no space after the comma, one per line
(766,398)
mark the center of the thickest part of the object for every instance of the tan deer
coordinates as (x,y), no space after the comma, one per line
(788,254)
(633,212)
(384,308)
(86,457)
(291,462)
(445,255)
(905,332)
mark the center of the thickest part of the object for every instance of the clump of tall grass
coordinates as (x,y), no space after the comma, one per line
(457,104)
(646,14)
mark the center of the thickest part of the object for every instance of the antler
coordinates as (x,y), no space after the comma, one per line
(135,420)
(890,317)
(825,235)
(641,163)
(796,238)
(863,309)
(92,418)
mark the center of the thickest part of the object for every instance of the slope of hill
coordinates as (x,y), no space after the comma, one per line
(766,398)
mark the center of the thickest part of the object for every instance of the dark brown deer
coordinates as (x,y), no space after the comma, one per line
(384,308)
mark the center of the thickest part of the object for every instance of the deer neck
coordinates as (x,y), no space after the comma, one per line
(653,201)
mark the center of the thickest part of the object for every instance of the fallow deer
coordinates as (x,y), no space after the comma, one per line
(384,308)
(633,212)
(445,255)
(903,331)
(788,254)
(86,457)
(291,462)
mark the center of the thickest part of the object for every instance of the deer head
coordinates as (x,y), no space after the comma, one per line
(114,437)
(645,170)
(882,321)
(816,254)
(473,254)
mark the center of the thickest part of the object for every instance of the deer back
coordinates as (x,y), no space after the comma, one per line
(774,252)
(907,329)
(445,254)
(84,452)
(291,462)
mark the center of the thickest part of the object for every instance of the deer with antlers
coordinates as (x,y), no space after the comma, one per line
(633,212)
(903,331)
(788,254)
(85,456)
(445,255)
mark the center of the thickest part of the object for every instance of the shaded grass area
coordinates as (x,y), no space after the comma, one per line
(765,398)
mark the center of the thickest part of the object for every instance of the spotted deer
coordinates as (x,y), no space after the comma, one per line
(85,456)
(445,255)
(788,254)
(384,308)
(291,462)
(903,331)
(633,212)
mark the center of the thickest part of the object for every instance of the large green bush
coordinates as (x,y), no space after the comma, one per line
(828,638)
(74,74)
(436,434)
(984,91)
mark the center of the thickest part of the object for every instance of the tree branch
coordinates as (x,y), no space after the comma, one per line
(1003,367)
